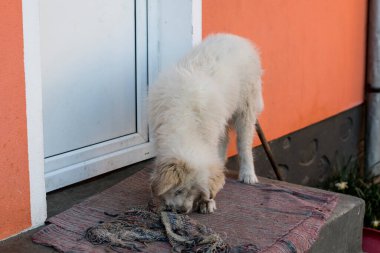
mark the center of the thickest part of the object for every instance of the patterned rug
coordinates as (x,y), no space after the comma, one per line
(269,217)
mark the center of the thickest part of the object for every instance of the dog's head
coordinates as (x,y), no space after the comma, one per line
(178,186)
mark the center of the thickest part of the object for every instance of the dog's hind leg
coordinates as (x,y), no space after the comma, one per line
(223,144)
(244,121)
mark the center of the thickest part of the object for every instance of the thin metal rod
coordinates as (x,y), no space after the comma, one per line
(268,151)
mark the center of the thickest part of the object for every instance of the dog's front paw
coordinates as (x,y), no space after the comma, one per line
(207,206)
(248,178)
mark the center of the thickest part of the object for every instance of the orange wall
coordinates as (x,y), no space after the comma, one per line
(14,178)
(313,55)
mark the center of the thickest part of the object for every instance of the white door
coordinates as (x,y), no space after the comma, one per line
(94,81)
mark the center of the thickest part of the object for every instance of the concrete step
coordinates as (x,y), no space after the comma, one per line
(343,231)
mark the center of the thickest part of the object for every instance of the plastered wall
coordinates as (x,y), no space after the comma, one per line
(313,55)
(14,178)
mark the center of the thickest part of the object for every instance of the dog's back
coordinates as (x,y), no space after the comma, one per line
(195,99)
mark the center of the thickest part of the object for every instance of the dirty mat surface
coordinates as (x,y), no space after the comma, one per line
(269,217)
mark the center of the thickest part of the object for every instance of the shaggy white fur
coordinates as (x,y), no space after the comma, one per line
(192,105)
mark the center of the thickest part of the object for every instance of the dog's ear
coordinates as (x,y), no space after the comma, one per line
(216,181)
(166,176)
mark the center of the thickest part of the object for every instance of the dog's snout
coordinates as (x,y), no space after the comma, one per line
(182,210)
(169,208)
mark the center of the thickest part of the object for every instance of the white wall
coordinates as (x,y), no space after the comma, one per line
(174,26)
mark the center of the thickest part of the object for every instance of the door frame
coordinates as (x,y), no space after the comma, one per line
(162,28)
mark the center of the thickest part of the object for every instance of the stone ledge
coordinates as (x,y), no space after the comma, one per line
(343,231)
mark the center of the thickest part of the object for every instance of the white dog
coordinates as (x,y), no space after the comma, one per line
(191,106)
